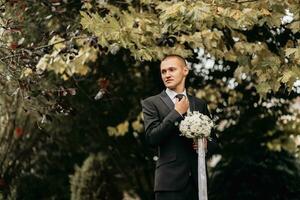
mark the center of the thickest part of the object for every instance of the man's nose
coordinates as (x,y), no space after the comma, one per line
(168,74)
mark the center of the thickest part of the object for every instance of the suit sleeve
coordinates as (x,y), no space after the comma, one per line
(212,145)
(157,131)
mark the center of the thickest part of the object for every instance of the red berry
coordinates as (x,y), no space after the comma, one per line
(18,132)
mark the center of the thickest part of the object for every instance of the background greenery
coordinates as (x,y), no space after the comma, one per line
(73,73)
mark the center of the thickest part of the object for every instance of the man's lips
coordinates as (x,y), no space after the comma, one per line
(168,81)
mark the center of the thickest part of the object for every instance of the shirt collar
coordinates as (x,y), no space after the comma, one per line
(172,93)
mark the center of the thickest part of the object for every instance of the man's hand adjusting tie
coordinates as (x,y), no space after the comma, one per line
(181,104)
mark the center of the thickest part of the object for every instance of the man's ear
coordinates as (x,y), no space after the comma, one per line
(186,70)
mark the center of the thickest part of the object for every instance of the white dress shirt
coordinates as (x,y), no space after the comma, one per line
(172,94)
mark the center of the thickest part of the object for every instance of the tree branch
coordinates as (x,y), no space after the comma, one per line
(41,47)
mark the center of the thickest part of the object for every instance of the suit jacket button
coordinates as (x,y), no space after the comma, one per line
(190,173)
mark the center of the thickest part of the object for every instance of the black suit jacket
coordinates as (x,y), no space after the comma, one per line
(177,160)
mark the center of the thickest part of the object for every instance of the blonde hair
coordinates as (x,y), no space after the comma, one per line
(176,56)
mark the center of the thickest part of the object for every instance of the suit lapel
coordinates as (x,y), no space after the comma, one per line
(166,99)
(192,103)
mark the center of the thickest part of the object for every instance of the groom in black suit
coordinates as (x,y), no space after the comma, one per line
(176,168)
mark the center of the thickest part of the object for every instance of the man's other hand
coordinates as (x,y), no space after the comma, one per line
(195,145)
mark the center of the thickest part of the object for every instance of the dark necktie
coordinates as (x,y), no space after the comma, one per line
(179,96)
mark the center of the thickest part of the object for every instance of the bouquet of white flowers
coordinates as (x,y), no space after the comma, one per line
(198,126)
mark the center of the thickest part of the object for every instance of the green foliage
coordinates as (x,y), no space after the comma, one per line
(214,25)
(92,180)
(248,168)
(72,75)
(68,64)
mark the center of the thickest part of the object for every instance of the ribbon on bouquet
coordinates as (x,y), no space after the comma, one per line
(202,181)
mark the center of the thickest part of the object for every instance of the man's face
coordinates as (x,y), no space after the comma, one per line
(173,72)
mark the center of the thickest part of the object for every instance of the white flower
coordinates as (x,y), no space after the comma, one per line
(287,18)
(196,125)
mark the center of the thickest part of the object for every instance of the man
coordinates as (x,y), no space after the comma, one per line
(176,168)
